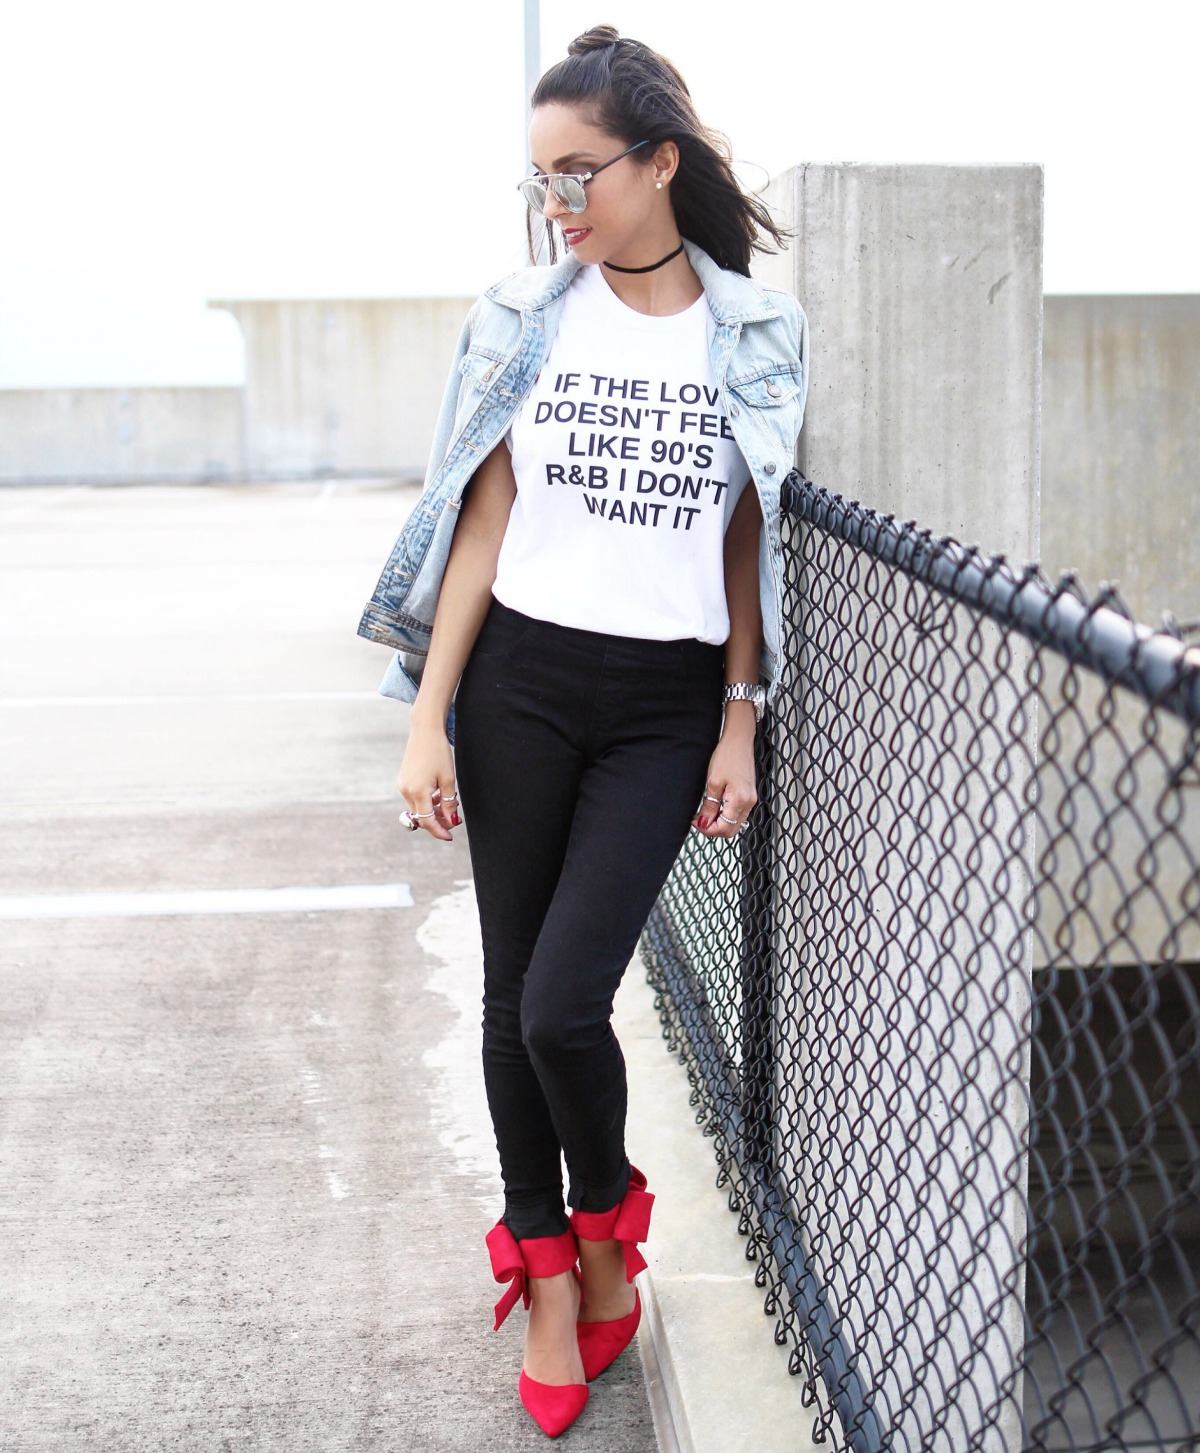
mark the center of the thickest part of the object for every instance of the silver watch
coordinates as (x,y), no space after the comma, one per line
(748,691)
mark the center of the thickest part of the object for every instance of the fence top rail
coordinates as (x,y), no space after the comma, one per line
(1098,633)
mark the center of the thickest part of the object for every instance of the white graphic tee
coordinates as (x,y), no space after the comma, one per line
(627,474)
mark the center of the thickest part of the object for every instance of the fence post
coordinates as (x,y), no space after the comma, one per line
(756,970)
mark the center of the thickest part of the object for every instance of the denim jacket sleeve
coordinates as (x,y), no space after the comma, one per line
(444,428)
(401,679)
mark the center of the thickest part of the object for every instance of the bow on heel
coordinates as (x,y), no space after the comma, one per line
(552,1406)
(601,1343)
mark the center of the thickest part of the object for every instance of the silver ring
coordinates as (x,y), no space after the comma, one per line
(732,821)
(709,798)
(452,798)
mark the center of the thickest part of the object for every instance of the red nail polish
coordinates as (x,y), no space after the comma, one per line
(456,820)
(706,822)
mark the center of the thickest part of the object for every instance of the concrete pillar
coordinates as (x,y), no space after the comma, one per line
(898,1003)
(344,386)
(923,289)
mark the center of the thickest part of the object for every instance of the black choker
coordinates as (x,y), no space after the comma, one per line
(652,266)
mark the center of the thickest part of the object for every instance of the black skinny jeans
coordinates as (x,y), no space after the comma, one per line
(580,759)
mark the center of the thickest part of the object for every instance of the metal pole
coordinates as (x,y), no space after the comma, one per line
(533,60)
(757,973)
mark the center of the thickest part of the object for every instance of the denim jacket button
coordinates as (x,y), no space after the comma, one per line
(770,466)
(774,390)
(733,411)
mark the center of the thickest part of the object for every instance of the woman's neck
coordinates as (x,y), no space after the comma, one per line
(668,289)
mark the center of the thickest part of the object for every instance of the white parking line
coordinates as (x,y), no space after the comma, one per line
(207,900)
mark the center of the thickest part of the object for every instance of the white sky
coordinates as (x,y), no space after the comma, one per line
(158,153)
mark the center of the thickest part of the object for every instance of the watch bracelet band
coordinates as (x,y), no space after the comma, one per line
(751,691)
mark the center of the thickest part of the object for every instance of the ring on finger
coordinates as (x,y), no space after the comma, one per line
(732,821)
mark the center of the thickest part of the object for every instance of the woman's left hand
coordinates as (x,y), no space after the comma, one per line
(731,783)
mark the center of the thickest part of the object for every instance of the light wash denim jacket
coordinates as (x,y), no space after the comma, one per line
(759,359)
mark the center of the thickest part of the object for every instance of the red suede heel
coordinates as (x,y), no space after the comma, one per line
(554,1407)
(601,1343)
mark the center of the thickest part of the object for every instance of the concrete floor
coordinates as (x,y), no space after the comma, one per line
(246,1163)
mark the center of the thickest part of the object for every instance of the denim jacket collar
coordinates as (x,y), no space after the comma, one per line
(731,297)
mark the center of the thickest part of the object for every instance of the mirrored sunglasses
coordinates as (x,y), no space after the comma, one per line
(567,187)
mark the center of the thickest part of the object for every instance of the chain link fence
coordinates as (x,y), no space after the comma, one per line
(939,1003)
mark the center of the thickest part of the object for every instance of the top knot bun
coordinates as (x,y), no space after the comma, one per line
(597,38)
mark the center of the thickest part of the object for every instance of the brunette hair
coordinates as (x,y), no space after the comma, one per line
(634,93)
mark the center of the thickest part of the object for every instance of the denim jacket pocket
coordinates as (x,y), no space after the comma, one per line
(479,366)
(767,390)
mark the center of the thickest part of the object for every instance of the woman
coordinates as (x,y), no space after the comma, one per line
(584,601)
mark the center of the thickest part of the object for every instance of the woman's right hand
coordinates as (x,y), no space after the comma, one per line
(426,777)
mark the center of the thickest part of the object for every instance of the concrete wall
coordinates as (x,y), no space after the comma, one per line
(347,386)
(1120,504)
(119,434)
(332,387)
(1121,440)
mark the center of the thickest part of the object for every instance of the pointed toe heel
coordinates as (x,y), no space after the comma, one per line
(551,1407)
(601,1343)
